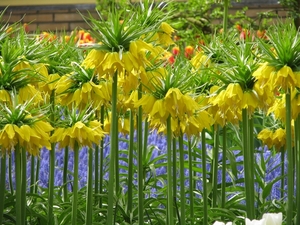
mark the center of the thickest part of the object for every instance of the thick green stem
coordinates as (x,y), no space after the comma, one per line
(24,181)
(170,211)
(297,149)
(182,180)
(282,180)
(204,180)
(140,171)
(75,184)
(290,167)
(37,173)
(96,188)
(51,165)
(130,162)
(146,134)
(248,168)
(65,174)
(215,166)
(224,150)
(32,174)
(117,170)
(174,171)
(18,206)
(11,187)
(101,165)
(89,199)
(2,181)
(191,181)
(113,147)
(225,16)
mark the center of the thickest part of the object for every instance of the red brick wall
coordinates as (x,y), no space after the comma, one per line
(66,17)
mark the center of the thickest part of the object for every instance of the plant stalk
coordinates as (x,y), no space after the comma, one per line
(65,174)
(19,208)
(215,166)
(140,171)
(191,181)
(101,164)
(32,174)
(204,180)
(170,212)
(248,167)
(75,184)
(224,150)
(113,147)
(51,165)
(290,158)
(182,180)
(89,199)
(297,150)
(130,162)
(2,181)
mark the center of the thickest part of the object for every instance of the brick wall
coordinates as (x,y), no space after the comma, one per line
(66,17)
(49,18)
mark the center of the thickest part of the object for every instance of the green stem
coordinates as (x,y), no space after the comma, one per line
(248,167)
(37,174)
(225,16)
(117,170)
(96,188)
(113,147)
(130,162)
(282,157)
(10,175)
(101,165)
(24,182)
(51,165)
(215,167)
(18,207)
(204,180)
(191,181)
(75,184)
(290,168)
(65,174)
(146,134)
(89,199)
(2,181)
(297,149)
(174,171)
(170,211)
(182,180)
(224,150)
(32,174)
(140,169)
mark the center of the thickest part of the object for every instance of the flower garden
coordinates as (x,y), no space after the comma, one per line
(122,125)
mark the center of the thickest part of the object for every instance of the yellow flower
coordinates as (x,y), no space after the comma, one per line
(233,95)
(250,101)
(200,60)
(4,96)
(265,95)
(279,138)
(266,136)
(32,138)
(146,102)
(285,78)
(167,28)
(84,135)
(263,74)
(29,92)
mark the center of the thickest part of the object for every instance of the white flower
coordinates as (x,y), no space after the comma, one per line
(221,223)
(267,219)
(273,218)
(255,222)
